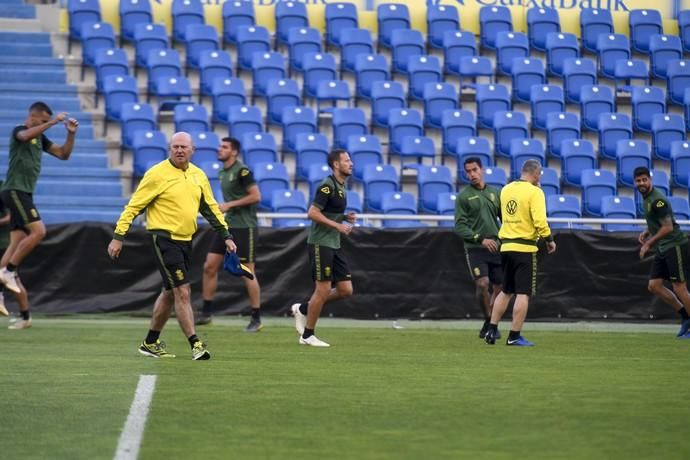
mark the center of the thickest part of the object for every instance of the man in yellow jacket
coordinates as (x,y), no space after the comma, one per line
(172,192)
(523,208)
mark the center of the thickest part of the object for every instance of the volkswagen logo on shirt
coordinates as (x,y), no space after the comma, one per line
(511,207)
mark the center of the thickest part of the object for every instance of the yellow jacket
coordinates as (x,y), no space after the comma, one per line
(173,198)
(523,210)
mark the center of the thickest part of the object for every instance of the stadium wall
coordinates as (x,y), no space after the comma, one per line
(396,274)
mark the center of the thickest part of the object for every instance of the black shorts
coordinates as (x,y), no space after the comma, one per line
(482,263)
(173,259)
(328,264)
(21,207)
(244,238)
(671,265)
(519,272)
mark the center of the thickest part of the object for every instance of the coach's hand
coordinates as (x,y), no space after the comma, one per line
(490,245)
(550,247)
(230,246)
(114,249)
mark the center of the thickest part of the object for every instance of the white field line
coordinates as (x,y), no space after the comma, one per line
(133,431)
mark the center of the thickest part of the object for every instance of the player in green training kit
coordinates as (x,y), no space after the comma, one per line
(477,213)
(241,195)
(328,264)
(671,249)
(27,144)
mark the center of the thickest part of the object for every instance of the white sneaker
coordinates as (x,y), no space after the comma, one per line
(20,324)
(3,309)
(313,341)
(300,319)
(9,279)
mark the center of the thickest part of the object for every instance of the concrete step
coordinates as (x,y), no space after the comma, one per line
(26,49)
(45,76)
(25,37)
(24,25)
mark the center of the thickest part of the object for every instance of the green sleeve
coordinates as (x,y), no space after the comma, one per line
(462,223)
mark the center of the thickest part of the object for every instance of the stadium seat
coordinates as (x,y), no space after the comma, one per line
(510,45)
(611,48)
(205,147)
(438,98)
(364,150)
(564,206)
(369,68)
(302,41)
(135,117)
(417,148)
(456,124)
(258,148)
(118,90)
(508,126)
(340,16)
(526,73)
(251,40)
(236,14)
(577,72)
(317,173)
(492,20)
(354,202)
(686,107)
(521,150)
(681,208)
(594,22)
(95,36)
(550,182)
(680,163)
(148,37)
(377,180)
(618,207)
(405,43)
(149,148)
(473,67)
(629,155)
(81,12)
(162,64)
(288,15)
(109,62)
(199,38)
(213,65)
(662,50)
(422,70)
(170,92)
(266,67)
(684,28)
(288,201)
(559,47)
(243,119)
(490,99)
(398,203)
(432,181)
(280,93)
(666,128)
(385,96)
(629,70)
(317,67)
(439,20)
(545,99)
(227,93)
(595,100)
(297,120)
(132,13)
(402,123)
(472,147)
(270,177)
(348,122)
(576,156)
(677,80)
(540,23)
(191,118)
(445,205)
(456,45)
(646,102)
(495,176)
(612,128)
(330,93)
(353,43)
(596,183)
(560,127)
(391,17)
(643,25)
(185,13)
(310,149)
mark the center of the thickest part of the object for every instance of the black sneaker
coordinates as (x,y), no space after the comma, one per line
(483,331)
(490,337)
(202,319)
(254,325)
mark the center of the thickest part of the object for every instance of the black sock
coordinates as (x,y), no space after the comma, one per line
(683,313)
(514,335)
(11,267)
(207,307)
(25,315)
(493,327)
(256,313)
(304,307)
(152,336)
(192,340)
(307,333)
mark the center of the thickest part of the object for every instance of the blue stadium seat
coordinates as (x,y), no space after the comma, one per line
(270,177)
(646,102)
(280,93)
(341,16)
(629,155)
(297,120)
(206,145)
(681,208)
(456,45)
(472,147)
(594,22)
(439,20)
(576,156)
(523,149)
(266,67)
(118,90)
(391,17)
(227,93)
(288,201)
(236,14)
(526,73)
(302,41)
(612,128)
(132,13)
(473,67)
(454,125)
(135,117)
(330,93)
(643,25)
(147,38)
(550,182)
(495,176)
(618,207)
(445,205)
(560,127)
(191,118)
(565,206)
(398,203)
(438,99)
(405,43)
(662,50)
(317,173)
(377,180)
(199,38)
(417,148)
(595,100)
(680,163)
(577,72)
(289,15)
(109,62)
(171,91)
(666,129)
(629,70)
(596,183)
(611,48)
(490,99)
(559,47)
(385,96)
(508,126)
(259,148)
(95,36)
(162,64)
(185,13)
(251,40)
(354,202)
(540,23)
(686,107)
(510,45)
(81,12)
(243,119)
(684,28)
(369,68)
(422,70)
(317,67)
(213,65)
(311,149)
(364,150)
(149,148)
(401,123)
(432,181)
(677,80)
(348,122)
(492,20)
(353,43)
(545,99)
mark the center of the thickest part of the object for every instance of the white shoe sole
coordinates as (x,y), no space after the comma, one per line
(319,344)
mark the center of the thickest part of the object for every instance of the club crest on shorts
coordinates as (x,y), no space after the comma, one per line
(476,271)
(33,212)
(327,271)
(179,274)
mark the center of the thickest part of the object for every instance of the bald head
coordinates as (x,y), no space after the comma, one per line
(181,149)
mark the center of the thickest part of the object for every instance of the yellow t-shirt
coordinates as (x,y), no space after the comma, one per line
(523,216)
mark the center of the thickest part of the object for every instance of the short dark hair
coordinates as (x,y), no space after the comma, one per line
(469,160)
(335,156)
(234,143)
(41,107)
(641,171)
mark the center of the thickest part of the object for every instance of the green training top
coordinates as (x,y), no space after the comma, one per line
(25,161)
(657,208)
(234,182)
(331,199)
(476,214)
(4,229)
